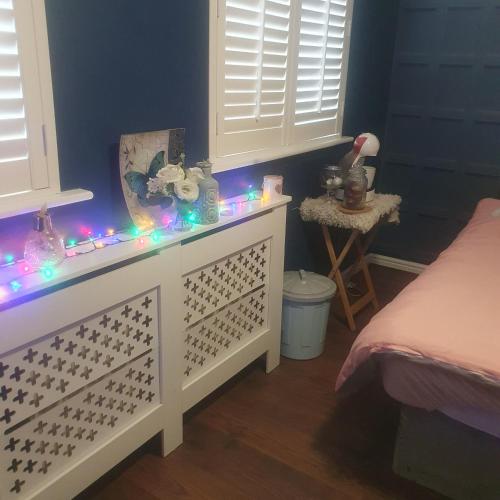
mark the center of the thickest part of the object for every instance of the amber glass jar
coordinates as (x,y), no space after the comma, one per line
(355,185)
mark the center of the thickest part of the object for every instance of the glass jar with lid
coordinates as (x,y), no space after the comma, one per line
(331,179)
(355,185)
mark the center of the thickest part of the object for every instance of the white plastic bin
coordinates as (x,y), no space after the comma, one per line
(306,306)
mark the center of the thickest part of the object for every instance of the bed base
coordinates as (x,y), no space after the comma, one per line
(447,456)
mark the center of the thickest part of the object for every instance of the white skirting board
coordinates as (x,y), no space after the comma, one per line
(393,263)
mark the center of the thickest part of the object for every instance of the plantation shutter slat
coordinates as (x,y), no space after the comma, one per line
(322,30)
(253,83)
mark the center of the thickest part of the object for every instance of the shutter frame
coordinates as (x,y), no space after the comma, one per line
(252,62)
(321,64)
(31,170)
(238,143)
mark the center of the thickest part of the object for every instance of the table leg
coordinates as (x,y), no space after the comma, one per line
(337,275)
(366,273)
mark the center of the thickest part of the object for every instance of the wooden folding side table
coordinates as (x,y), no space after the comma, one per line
(325,211)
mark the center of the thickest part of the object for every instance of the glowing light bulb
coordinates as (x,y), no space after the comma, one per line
(155,236)
(71,243)
(141,241)
(3,293)
(86,231)
(135,231)
(9,258)
(192,217)
(99,244)
(25,268)
(15,285)
(110,231)
(48,273)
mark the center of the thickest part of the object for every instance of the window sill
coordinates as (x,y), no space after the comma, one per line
(224,163)
(22,203)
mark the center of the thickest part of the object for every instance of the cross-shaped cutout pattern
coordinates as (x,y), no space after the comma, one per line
(59,364)
(14,465)
(137,316)
(16,488)
(35,401)
(56,344)
(44,468)
(65,413)
(105,320)
(78,414)
(30,355)
(4,392)
(82,331)
(116,326)
(30,465)
(3,369)
(11,446)
(94,336)
(126,311)
(16,375)
(70,348)
(33,378)
(42,447)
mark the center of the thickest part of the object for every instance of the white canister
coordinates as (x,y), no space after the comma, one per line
(272,187)
(370,175)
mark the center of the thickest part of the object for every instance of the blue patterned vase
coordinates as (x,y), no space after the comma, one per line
(208,201)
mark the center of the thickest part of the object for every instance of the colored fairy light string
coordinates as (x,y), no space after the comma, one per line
(110,237)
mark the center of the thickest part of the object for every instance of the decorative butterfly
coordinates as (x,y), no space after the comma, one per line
(138,183)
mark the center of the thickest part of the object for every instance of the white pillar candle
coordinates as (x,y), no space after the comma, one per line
(272,187)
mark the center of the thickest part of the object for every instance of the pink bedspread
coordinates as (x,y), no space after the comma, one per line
(451,313)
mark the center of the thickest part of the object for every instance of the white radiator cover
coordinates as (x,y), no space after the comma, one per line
(91,371)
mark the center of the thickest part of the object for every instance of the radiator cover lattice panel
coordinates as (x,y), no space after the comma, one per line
(109,376)
(225,304)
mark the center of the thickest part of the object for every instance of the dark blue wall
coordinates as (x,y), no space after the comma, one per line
(442,146)
(122,66)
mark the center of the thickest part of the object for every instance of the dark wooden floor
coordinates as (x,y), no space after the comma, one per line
(279,436)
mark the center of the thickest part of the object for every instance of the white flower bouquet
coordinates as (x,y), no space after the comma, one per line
(165,183)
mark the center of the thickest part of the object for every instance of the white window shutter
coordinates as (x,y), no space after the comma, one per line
(21,141)
(253,46)
(320,71)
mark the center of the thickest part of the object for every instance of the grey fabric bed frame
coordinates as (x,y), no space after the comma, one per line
(447,456)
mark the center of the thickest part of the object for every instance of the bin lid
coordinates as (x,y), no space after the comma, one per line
(304,286)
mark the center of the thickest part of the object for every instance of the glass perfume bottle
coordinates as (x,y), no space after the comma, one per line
(44,247)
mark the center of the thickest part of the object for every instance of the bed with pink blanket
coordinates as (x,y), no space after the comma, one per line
(437,349)
(437,344)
